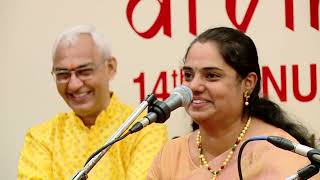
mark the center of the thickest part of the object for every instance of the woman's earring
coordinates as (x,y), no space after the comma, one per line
(246,96)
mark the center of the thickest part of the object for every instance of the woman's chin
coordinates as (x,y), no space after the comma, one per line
(199,117)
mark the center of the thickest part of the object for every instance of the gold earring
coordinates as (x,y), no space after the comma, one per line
(246,96)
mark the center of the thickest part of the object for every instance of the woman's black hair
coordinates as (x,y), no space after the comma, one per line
(239,52)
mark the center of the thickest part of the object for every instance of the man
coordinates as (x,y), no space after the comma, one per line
(56,149)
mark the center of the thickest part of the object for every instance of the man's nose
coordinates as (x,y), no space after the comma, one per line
(74,83)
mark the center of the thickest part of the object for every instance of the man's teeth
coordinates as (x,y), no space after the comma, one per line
(80,95)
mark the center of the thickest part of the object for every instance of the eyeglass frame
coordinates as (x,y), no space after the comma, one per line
(76,71)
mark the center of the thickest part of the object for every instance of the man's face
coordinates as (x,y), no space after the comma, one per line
(82,76)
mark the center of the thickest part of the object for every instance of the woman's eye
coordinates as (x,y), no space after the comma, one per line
(187,76)
(211,76)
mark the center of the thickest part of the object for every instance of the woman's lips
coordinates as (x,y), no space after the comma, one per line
(199,103)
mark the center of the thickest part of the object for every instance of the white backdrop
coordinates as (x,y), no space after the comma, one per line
(286,38)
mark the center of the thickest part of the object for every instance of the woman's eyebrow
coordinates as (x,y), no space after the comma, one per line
(203,68)
(212,68)
(186,68)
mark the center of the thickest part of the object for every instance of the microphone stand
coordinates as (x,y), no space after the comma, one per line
(309,170)
(82,174)
(305,173)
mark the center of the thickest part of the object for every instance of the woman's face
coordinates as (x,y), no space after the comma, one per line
(216,87)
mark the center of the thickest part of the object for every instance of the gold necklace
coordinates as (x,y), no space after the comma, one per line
(204,162)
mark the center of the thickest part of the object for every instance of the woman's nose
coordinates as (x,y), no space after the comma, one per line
(196,84)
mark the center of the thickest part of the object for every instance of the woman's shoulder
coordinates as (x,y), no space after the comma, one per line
(177,143)
(177,148)
(173,160)
(266,160)
(261,128)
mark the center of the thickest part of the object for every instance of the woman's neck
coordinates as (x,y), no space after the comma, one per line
(218,139)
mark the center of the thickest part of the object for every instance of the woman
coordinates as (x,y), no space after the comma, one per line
(221,68)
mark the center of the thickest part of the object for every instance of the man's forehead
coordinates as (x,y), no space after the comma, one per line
(71,40)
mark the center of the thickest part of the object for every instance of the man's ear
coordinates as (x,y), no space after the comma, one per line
(111,65)
(250,81)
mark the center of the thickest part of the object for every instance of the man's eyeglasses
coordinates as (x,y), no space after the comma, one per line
(83,72)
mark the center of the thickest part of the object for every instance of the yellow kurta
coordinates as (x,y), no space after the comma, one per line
(56,149)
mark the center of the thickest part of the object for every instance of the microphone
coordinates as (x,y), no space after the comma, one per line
(311,153)
(160,111)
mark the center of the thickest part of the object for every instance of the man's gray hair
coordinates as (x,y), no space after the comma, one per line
(70,36)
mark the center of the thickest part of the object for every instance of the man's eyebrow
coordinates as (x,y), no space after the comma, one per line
(84,65)
(78,67)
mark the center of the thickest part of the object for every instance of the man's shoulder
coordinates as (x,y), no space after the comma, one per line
(155,130)
(118,106)
(48,125)
(155,133)
(155,126)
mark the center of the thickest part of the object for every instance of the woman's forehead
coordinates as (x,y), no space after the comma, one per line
(204,53)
